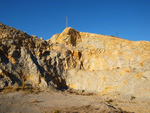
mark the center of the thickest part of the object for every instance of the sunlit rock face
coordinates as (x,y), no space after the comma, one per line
(81,61)
(25,59)
(102,64)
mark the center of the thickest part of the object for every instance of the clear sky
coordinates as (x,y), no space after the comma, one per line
(45,18)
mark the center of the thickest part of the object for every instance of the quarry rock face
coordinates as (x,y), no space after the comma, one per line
(27,60)
(103,64)
(82,61)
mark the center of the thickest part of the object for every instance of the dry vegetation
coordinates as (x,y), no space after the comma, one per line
(24,88)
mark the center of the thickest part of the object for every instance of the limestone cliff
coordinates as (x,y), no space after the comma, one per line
(82,61)
(27,60)
(103,64)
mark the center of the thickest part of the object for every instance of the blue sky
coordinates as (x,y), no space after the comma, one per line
(45,18)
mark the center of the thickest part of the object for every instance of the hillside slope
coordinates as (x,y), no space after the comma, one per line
(82,61)
(103,64)
(27,60)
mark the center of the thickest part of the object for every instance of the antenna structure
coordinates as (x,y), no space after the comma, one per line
(66,21)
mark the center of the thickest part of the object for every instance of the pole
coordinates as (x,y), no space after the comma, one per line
(66,21)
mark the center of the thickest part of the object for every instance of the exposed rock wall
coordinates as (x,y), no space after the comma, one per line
(27,60)
(103,64)
(82,61)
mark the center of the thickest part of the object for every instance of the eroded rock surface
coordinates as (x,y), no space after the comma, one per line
(28,60)
(81,61)
(103,64)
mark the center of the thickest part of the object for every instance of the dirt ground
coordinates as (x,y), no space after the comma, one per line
(64,102)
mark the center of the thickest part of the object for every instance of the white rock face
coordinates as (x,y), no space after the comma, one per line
(103,64)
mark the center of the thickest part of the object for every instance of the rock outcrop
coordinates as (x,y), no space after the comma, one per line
(103,64)
(27,60)
(81,61)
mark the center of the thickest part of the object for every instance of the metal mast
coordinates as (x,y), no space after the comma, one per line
(66,21)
